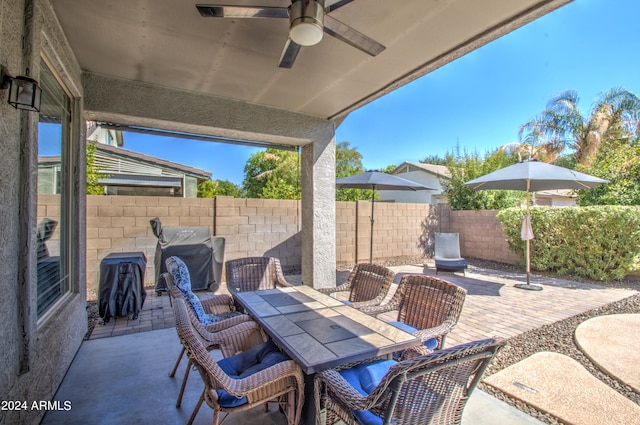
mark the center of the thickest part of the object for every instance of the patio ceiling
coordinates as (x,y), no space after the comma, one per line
(168,43)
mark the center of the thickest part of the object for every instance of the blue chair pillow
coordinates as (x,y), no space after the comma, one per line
(365,378)
(431,343)
(180,274)
(255,359)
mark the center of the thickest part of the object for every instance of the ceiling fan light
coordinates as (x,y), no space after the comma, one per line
(306,22)
(305,33)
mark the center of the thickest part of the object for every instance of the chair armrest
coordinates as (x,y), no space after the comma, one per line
(227,323)
(282,281)
(344,392)
(413,352)
(218,304)
(362,305)
(377,309)
(436,332)
(253,385)
(237,338)
(345,287)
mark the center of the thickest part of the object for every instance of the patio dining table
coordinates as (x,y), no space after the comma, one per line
(319,332)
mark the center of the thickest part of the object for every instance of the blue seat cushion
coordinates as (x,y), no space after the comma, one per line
(365,378)
(255,359)
(431,343)
(451,265)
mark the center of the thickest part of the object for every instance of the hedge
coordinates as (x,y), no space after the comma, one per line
(600,243)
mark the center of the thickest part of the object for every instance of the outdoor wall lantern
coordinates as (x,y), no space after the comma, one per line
(24,92)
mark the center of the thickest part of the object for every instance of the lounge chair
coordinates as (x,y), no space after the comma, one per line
(447,253)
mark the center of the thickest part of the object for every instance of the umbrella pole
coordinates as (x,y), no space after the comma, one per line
(528,263)
(373,191)
(528,241)
(528,285)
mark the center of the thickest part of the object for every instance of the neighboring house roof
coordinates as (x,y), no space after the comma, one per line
(126,171)
(142,159)
(53,159)
(439,171)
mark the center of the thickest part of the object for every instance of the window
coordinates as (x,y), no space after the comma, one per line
(52,226)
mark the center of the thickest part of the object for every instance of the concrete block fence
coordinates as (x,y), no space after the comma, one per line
(256,227)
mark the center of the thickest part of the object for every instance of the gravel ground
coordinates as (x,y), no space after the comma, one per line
(558,337)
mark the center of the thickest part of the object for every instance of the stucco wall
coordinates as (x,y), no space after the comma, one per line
(10,20)
(36,352)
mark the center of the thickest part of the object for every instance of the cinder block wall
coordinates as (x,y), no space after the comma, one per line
(481,235)
(256,227)
(121,224)
(397,231)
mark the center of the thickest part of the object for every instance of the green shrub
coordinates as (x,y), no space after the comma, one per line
(600,243)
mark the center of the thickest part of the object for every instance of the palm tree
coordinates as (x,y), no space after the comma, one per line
(616,115)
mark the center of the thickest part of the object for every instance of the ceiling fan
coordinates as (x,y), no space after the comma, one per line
(308,19)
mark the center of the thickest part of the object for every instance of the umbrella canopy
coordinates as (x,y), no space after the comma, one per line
(533,176)
(378,181)
(538,175)
(375,180)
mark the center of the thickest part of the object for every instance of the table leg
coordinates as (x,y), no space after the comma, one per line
(309,407)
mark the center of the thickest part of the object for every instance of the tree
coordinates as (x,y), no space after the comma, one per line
(93,172)
(389,169)
(272,174)
(275,174)
(465,166)
(213,188)
(615,115)
(619,162)
(349,163)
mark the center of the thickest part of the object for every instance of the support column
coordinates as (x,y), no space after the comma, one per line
(319,213)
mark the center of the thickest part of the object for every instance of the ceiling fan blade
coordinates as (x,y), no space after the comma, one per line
(224,11)
(289,54)
(345,33)
(336,5)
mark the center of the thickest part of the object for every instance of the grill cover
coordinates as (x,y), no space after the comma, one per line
(202,253)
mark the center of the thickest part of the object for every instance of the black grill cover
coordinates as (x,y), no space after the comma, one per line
(121,288)
(202,253)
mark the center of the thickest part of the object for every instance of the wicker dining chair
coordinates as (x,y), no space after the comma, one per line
(213,336)
(253,274)
(428,307)
(368,284)
(256,376)
(428,389)
(209,316)
(218,307)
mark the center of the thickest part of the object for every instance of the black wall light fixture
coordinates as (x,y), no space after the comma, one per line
(24,92)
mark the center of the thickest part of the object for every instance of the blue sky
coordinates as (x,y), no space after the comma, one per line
(478,101)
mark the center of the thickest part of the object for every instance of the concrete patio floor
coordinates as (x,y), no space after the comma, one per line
(123,378)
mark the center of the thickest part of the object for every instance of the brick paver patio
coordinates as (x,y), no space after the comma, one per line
(493,306)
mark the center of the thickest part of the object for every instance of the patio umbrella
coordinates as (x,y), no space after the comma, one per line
(533,176)
(375,180)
